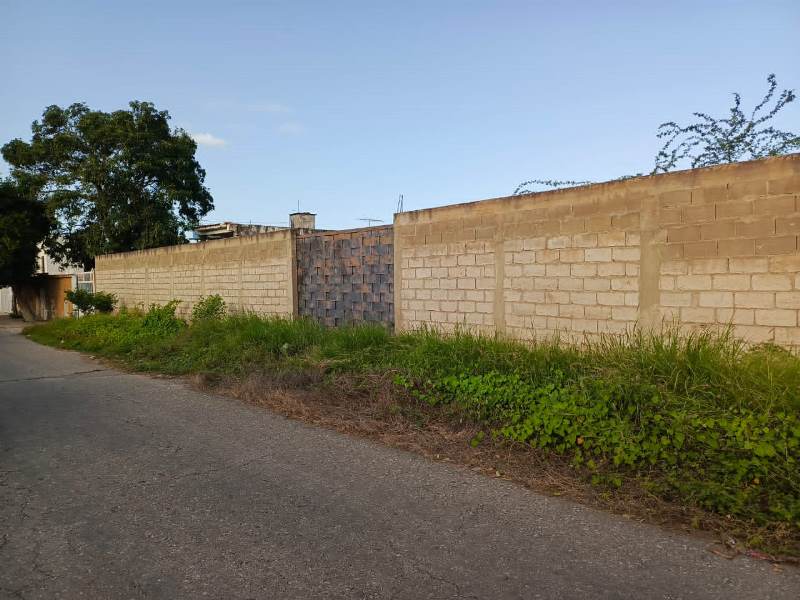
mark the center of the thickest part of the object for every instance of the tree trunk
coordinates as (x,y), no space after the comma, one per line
(23,304)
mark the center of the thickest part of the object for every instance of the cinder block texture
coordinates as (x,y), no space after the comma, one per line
(709,247)
(346,277)
(252,273)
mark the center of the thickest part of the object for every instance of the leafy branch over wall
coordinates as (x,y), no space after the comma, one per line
(713,141)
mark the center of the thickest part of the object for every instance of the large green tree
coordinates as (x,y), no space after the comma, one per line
(23,224)
(110,182)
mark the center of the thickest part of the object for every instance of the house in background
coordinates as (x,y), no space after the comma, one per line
(42,297)
(228,229)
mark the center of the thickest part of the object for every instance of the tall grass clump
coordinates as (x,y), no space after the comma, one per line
(241,342)
(129,334)
(209,307)
(714,367)
(698,418)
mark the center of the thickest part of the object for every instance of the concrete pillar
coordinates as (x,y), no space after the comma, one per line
(302,220)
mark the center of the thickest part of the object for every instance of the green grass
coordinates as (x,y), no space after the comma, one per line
(698,419)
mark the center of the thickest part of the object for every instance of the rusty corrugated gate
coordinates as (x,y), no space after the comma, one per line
(346,277)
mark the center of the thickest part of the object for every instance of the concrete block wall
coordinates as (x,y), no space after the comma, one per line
(706,247)
(346,276)
(252,273)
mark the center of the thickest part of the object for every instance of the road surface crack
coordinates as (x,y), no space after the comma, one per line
(52,376)
(205,472)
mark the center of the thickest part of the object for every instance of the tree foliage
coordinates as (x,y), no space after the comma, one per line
(89,302)
(111,182)
(526,187)
(23,224)
(713,141)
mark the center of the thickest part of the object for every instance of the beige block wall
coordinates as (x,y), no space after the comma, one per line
(253,273)
(706,247)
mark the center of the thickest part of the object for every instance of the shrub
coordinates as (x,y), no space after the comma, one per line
(161,320)
(209,307)
(81,299)
(87,302)
(104,302)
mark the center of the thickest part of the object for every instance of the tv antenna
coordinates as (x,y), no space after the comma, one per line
(400,204)
(371,221)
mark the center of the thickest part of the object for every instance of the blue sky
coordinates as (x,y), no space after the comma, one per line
(341,106)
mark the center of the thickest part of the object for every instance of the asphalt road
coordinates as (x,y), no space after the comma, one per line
(124,486)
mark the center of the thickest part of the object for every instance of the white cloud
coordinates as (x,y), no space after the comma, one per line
(270,107)
(207,139)
(291,128)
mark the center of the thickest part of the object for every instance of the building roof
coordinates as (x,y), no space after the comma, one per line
(226,229)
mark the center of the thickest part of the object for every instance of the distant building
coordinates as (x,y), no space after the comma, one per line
(44,293)
(45,265)
(228,229)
